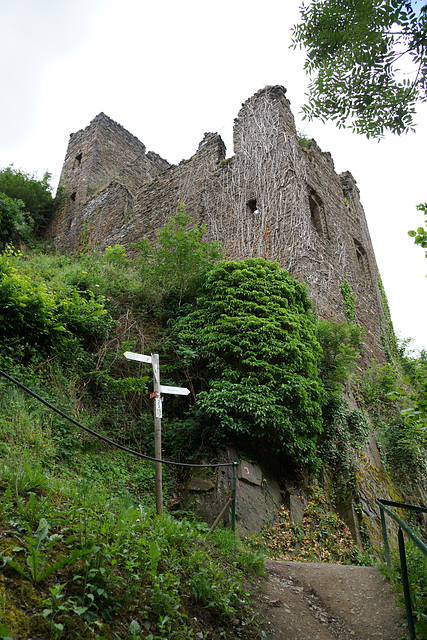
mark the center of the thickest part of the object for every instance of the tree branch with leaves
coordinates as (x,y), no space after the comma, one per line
(367,60)
(420,235)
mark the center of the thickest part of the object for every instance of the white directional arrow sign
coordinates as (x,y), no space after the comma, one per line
(130,355)
(180,391)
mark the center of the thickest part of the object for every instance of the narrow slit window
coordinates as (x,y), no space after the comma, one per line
(79,158)
(317,212)
(73,196)
(362,260)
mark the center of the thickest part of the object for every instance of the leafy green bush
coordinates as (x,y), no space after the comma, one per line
(401,431)
(406,446)
(181,253)
(253,339)
(342,346)
(27,310)
(172,267)
(417,378)
(110,273)
(35,194)
(376,384)
(417,571)
(420,234)
(35,316)
(15,223)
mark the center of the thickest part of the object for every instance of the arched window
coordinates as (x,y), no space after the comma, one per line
(317,211)
(362,259)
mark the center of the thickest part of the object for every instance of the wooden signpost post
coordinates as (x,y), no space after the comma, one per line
(158,389)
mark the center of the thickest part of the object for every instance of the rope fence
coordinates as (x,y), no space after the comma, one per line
(95,434)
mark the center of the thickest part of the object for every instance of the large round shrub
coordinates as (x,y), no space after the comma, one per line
(253,339)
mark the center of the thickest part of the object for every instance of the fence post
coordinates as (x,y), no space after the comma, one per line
(221,513)
(384,528)
(405,583)
(233,504)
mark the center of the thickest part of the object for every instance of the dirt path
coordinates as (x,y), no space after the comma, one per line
(319,601)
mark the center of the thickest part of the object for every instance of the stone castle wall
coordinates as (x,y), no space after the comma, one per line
(272,199)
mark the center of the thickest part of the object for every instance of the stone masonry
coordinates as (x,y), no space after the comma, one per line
(273,199)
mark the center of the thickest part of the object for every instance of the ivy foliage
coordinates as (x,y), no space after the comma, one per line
(354,52)
(388,336)
(346,431)
(253,338)
(348,300)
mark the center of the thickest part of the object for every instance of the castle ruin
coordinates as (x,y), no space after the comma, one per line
(273,199)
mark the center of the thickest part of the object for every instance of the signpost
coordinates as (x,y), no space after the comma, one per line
(158,389)
(157,433)
(179,391)
(138,356)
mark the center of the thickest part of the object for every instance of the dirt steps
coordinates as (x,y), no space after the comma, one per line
(319,601)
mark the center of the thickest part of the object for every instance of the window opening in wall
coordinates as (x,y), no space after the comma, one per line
(251,206)
(349,203)
(362,260)
(73,196)
(317,211)
(79,158)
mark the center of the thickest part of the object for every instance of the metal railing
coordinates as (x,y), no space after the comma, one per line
(384,509)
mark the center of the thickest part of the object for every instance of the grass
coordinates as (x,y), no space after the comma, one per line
(82,554)
(82,558)
(417,577)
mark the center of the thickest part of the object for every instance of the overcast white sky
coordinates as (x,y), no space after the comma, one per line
(168,72)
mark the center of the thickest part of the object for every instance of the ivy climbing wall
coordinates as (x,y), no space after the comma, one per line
(273,198)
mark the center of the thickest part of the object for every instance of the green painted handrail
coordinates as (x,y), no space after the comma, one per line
(385,508)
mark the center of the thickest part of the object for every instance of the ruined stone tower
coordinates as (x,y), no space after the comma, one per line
(272,199)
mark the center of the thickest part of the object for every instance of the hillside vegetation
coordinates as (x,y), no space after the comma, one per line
(82,553)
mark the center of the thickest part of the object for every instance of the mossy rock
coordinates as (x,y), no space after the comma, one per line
(16,620)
